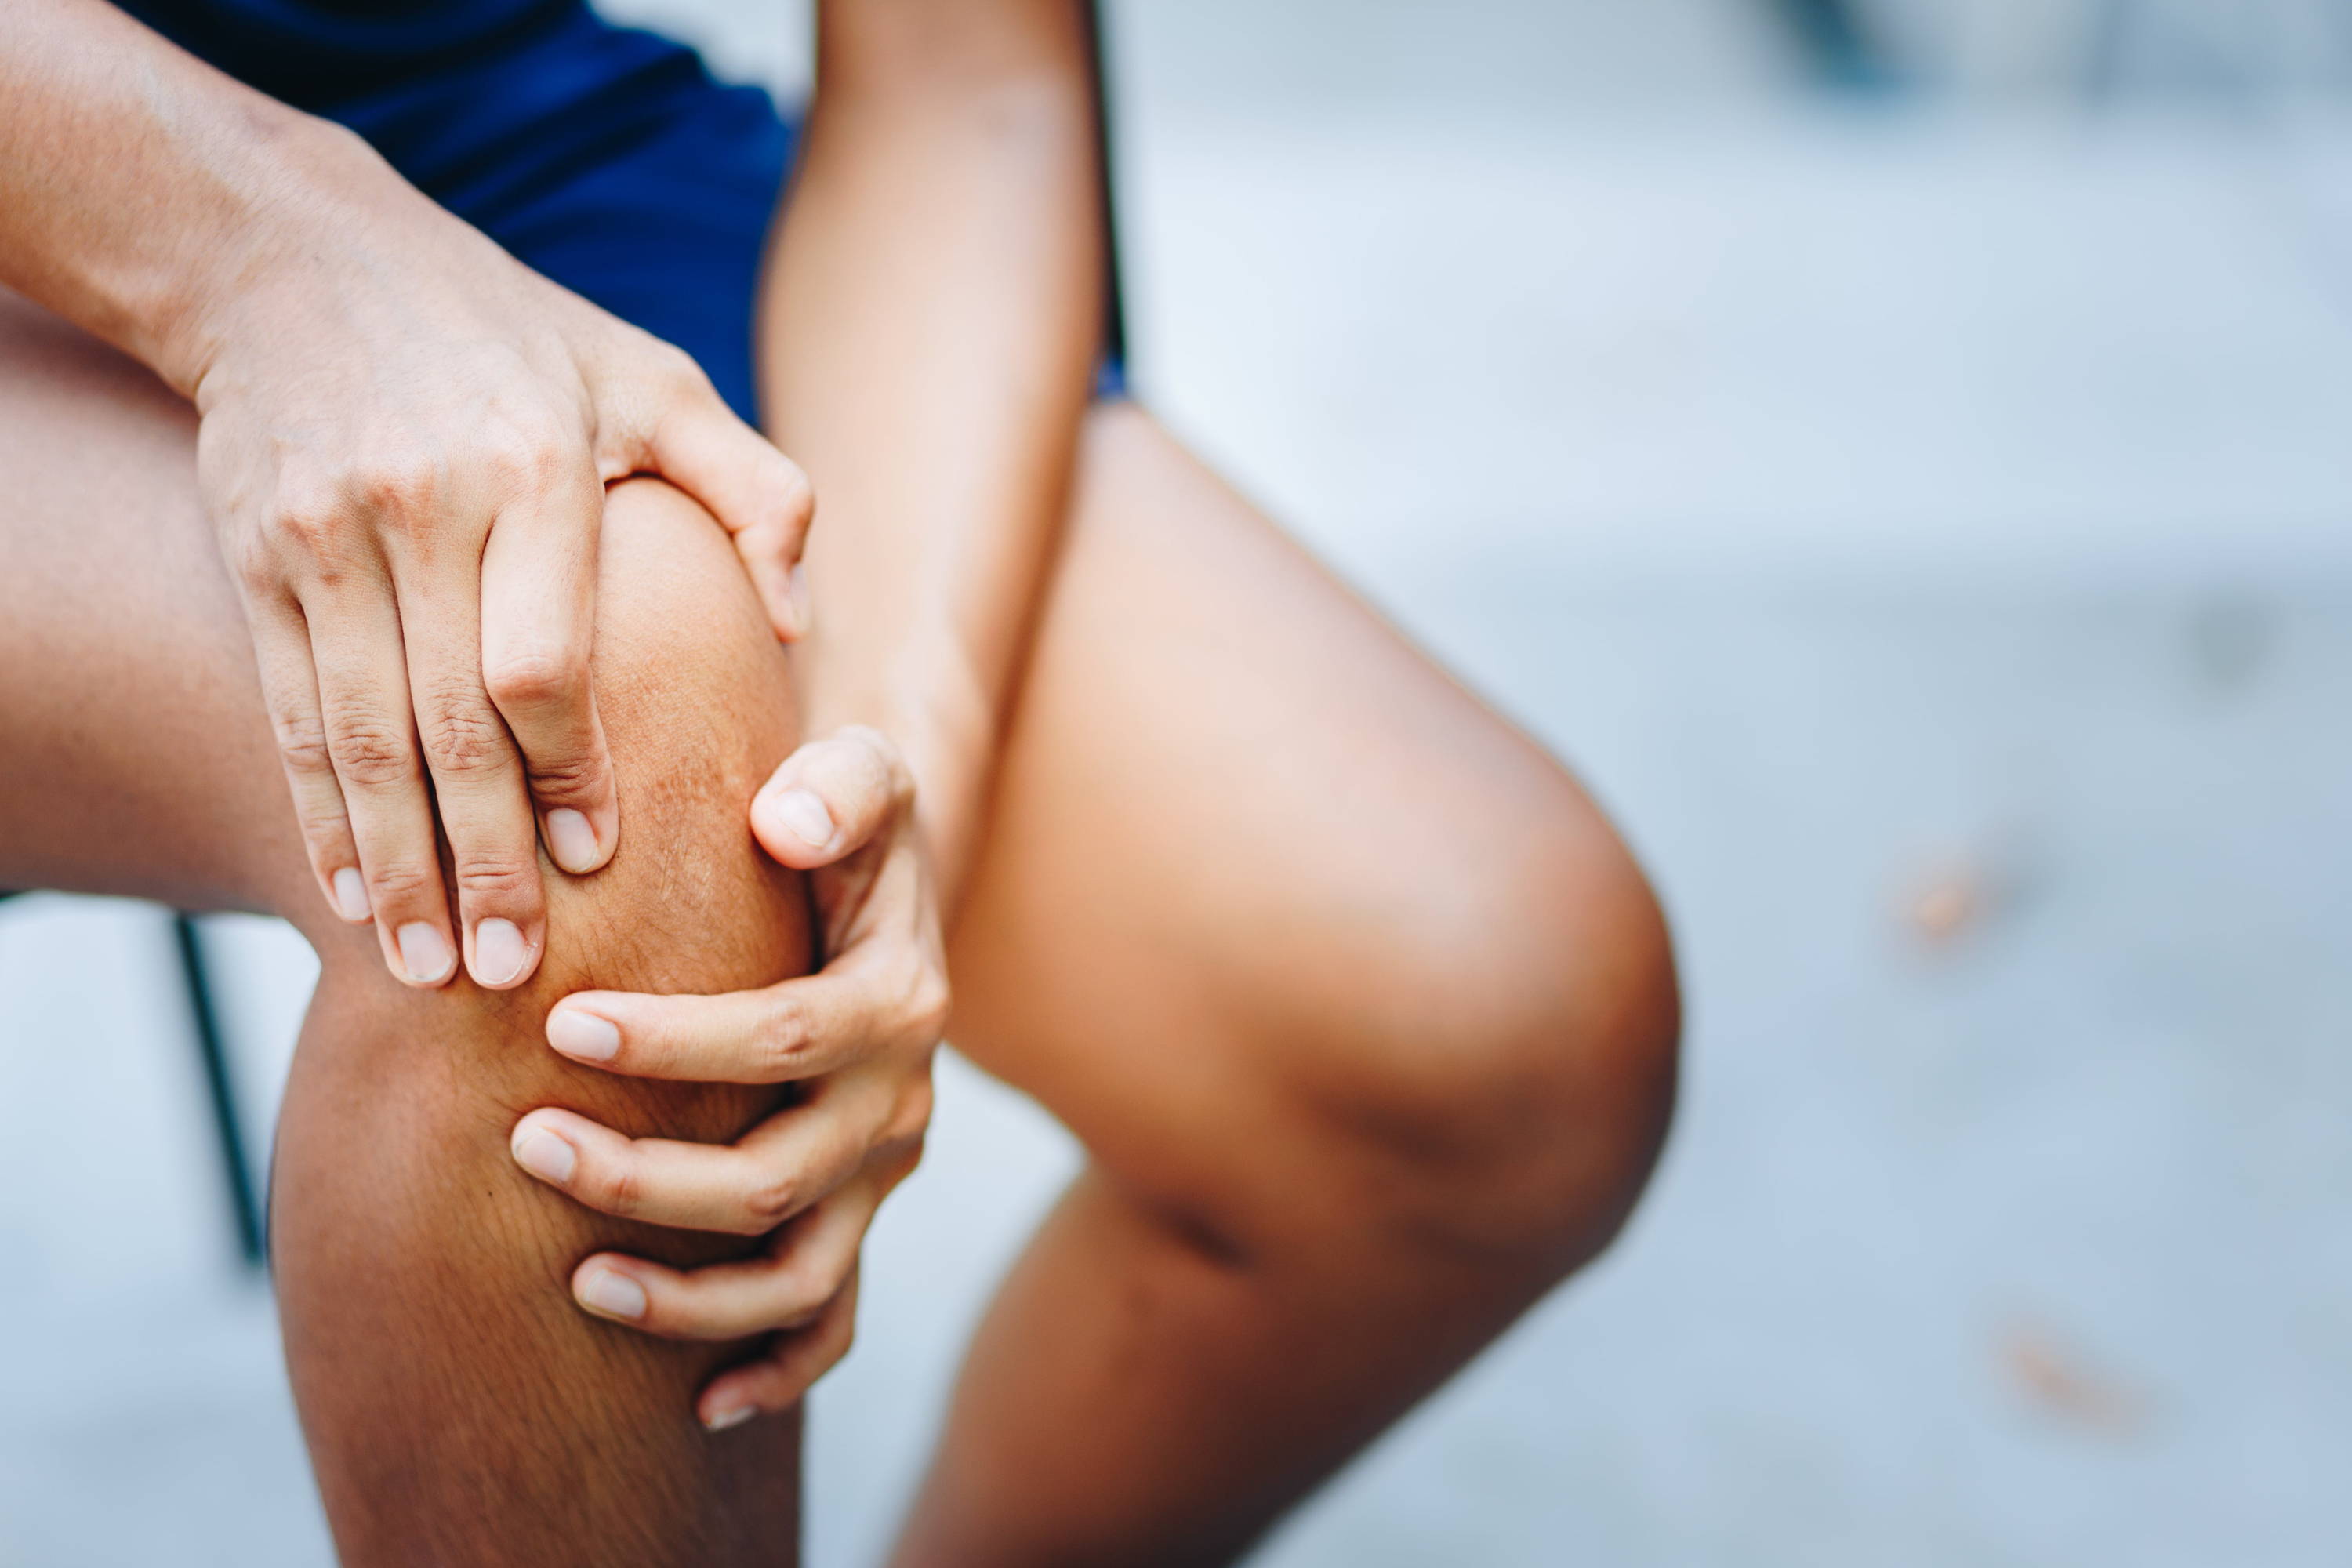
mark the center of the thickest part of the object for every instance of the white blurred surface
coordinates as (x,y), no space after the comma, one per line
(1854,493)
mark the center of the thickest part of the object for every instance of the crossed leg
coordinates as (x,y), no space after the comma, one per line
(459,1409)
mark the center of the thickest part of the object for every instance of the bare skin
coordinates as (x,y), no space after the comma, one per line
(1374,1135)
(1361,1010)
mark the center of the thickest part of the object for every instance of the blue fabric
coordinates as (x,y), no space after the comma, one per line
(603,157)
(310,53)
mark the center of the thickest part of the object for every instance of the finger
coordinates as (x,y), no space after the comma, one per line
(478,775)
(748,1188)
(538,605)
(787,1287)
(289,689)
(759,495)
(830,796)
(868,1000)
(371,736)
(781,1378)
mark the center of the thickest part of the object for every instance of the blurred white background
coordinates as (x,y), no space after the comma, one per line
(1909,471)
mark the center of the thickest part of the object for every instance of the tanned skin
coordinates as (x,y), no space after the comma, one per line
(1363,1013)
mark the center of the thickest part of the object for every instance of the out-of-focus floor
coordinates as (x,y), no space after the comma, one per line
(1931,534)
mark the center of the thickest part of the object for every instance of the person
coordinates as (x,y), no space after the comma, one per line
(377,389)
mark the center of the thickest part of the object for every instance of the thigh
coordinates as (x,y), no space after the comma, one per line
(1250,852)
(137,758)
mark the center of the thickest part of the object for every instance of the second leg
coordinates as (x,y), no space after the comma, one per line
(1365,1017)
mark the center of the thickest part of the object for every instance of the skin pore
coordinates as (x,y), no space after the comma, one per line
(1363,1013)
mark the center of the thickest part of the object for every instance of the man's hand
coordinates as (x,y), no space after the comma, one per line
(857,1038)
(404,443)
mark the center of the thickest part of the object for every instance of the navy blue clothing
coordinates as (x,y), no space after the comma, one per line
(312,53)
(603,157)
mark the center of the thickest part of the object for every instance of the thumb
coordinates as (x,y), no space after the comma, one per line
(832,796)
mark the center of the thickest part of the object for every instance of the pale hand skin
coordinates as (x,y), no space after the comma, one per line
(404,439)
(858,1037)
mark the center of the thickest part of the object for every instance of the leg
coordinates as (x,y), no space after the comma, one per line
(460,1409)
(1364,1015)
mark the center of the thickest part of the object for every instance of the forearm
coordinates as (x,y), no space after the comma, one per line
(930,325)
(140,188)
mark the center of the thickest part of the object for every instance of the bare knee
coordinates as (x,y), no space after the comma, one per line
(413,1254)
(692,690)
(1513,1099)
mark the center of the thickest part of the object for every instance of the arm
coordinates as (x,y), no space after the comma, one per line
(404,441)
(932,313)
(933,322)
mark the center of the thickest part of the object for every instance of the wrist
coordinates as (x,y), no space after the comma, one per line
(287,204)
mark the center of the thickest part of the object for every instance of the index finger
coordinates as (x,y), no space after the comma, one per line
(760,496)
(797,1029)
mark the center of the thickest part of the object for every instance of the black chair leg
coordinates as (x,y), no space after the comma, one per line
(245,1202)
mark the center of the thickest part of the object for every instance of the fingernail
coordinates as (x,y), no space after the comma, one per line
(615,1295)
(571,842)
(423,952)
(499,952)
(350,895)
(583,1035)
(723,1419)
(804,816)
(546,1156)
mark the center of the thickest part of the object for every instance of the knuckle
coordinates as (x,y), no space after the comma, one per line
(304,517)
(255,564)
(462,738)
(782,1040)
(400,484)
(558,780)
(801,1292)
(395,883)
(369,750)
(891,777)
(807,1300)
(794,494)
(929,1007)
(302,745)
(536,678)
(914,986)
(618,1189)
(677,369)
(529,456)
(911,1120)
(496,879)
(770,1201)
